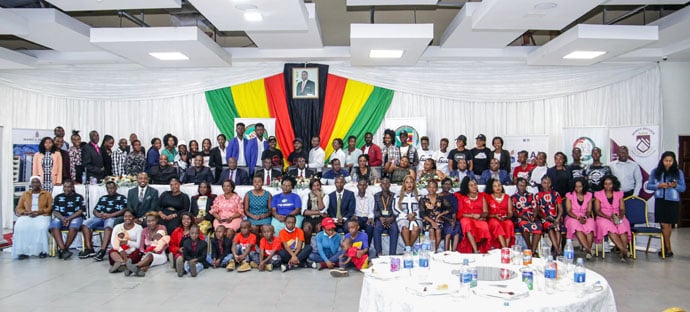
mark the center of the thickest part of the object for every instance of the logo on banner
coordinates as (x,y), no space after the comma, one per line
(412,135)
(643,142)
(249,132)
(586,145)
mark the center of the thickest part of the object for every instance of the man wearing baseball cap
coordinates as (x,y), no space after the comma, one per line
(298,143)
(327,252)
(455,154)
(480,155)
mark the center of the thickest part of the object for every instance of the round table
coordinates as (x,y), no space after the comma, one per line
(402,293)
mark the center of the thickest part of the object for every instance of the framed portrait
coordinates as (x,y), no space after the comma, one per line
(305,83)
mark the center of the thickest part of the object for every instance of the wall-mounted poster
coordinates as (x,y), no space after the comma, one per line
(305,83)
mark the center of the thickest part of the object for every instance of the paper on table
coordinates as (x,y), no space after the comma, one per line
(507,292)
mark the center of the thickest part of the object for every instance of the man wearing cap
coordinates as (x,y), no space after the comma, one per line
(454,155)
(237,147)
(297,152)
(234,174)
(480,155)
(408,150)
(327,250)
(341,204)
(255,148)
(301,170)
(273,153)
(384,217)
(316,155)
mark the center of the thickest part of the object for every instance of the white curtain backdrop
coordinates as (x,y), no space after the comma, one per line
(454,98)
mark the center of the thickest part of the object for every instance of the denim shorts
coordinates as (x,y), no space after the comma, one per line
(96,223)
(74,224)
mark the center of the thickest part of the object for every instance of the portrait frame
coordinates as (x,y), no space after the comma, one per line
(311,89)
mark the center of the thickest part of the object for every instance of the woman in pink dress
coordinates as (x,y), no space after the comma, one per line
(501,225)
(611,219)
(578,219)
(472,212)
(228,209)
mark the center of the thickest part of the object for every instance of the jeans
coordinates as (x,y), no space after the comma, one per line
(74,224)
(223,262)
(96,222)
(392,237)
(316,257)
(302,255)
(199,266)
(253,256)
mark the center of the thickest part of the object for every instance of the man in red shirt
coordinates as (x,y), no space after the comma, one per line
(523,170)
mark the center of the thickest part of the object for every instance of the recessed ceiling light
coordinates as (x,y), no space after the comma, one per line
(253,16)
(545,5)
(169,56)
(584,55)
(385,53)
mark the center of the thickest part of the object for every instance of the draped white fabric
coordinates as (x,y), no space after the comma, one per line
(454,98)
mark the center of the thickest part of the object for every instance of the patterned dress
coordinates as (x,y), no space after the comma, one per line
(524,208)
(47,166)
(548,203)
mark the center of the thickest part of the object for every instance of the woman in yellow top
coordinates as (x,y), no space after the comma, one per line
(33,219)
(47,164)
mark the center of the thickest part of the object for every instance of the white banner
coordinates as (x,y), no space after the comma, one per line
(530,143)
(586,138)
(24,146)
(249,123)
(643,143)
(415,127)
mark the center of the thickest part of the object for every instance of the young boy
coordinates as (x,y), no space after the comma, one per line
(194,253)
(243,251)
(359,239)
(220,249)
(269,248)
(358,249)
(295,252)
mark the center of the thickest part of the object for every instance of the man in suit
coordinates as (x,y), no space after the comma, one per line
(255,147)
(142,199)
(341,204)
(164,172)
(218,160)
(267,172)
(91,157)
(237,175)
(301,169)
(237,147)
(198,173)
(306,87)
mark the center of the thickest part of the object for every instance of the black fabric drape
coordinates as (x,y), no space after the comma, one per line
(306,114)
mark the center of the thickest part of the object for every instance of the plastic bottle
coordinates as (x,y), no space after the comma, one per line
(545,248)
(426,242)
(83,178)
(465,282)
(473,272)
(569,252)
(549,275)
(408,262)
(424,259)
(580,275)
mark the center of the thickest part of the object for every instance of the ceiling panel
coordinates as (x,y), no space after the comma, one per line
(226,15)
(612,39)
(54,29)
(307,39)
(104,5)
(12,24)
(14,60)
(390,2)
(530,14)
(135,44)
(413,39)
(460,34)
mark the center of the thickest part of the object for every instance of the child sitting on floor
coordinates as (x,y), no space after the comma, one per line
(194,252)
(243,251)
(221,247)
(161,240)
(268,249)
(350,258)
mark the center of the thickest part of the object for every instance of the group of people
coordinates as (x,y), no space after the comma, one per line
(261,230)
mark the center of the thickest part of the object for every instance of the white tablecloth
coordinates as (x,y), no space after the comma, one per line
(393,295)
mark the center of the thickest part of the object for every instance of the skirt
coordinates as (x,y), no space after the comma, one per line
(30,236)
(479,230)
(504,228)
(572,226)
(666,211)
(606,226)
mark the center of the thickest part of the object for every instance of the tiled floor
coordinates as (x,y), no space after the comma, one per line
(648,284)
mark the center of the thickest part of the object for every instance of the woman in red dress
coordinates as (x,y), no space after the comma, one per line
(550,208)
(472,212)
(501,226)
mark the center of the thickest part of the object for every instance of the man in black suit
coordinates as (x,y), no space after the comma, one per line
(164,172)
(305,87)
(267,172)
(142,199)
(341,205)
(218,160)
(91,157)
(236,175)
(301,169)
(198,173)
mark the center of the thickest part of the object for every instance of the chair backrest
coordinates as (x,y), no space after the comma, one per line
(636,210)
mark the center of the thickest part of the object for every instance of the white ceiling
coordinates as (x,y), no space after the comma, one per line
(291,30)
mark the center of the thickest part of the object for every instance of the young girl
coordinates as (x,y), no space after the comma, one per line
(243,251)
(268,249)
(434,212)
(525,214)
(194,252)
(351,257)
(501,226)
(221,246)
(549,206)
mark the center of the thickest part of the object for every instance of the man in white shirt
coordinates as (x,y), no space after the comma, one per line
(441,157)
(352,153)
(316,155)
(628,173)
(364,209)
(424,153)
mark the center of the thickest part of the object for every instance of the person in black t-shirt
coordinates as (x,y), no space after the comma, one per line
(455,154)
(481,155)
(273,153)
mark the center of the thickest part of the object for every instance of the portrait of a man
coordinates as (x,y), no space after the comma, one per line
(305,83)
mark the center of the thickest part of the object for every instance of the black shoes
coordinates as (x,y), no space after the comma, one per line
(23,257)
(100,255)
(42,255)
(87,253)
(65,254)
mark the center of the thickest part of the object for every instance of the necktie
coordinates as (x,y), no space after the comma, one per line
(267,179)
(141,194)
(301,173)
(338,213)
(98,150)
(232,175)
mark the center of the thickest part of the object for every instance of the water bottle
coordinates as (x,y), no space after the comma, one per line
(83,177)
(417,247)
(426,243)
(549,275)
(473,272)
(569,252)
(465,282)
(580,273)
(408,262)
(545,248)
(424,259)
